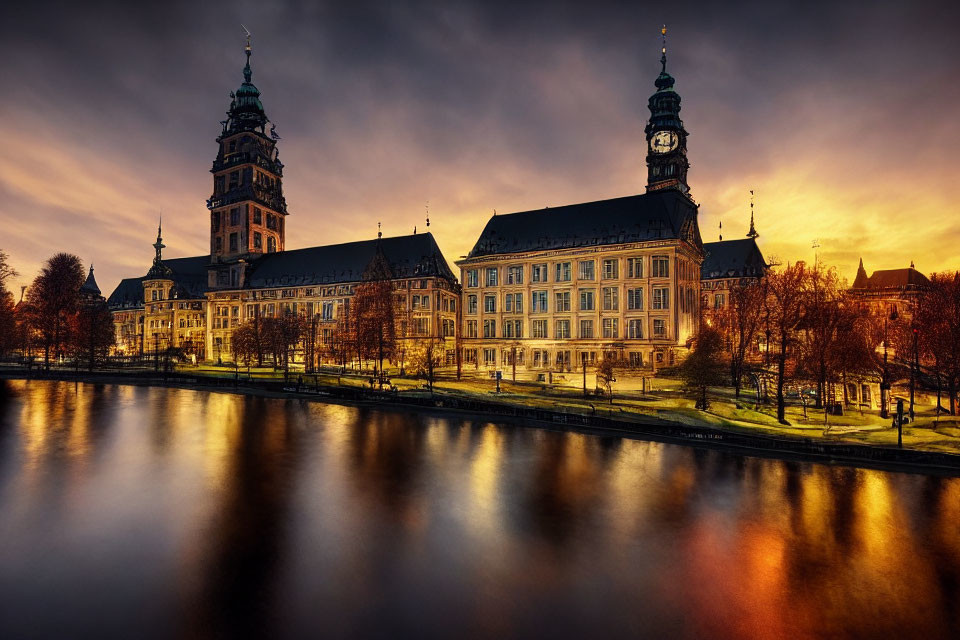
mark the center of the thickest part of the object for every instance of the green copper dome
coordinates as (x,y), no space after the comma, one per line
(246,112)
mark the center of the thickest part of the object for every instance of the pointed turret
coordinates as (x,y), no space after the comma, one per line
(753,230)
(89,288)
(860,282)
(158,269)
(246,112)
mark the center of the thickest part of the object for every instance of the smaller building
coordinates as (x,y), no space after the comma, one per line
(726,264)
(889,290)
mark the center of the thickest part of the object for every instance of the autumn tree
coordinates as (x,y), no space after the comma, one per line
(92,333)
(784,306)
(704,367)
(53,299)
(8,328)
(426,356)
(372,311)
(282,335)
(820,331)
(741,321)
(607,373)
(245,340)
(937,323)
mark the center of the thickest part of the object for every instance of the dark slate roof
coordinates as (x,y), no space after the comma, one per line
(189,276)
(90,284)
(732,259)
(409,257)
(897,278)
(129,293)
(650,216)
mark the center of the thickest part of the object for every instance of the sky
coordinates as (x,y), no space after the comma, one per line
(842,117)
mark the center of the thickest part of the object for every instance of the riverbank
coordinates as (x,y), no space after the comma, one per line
(675,426)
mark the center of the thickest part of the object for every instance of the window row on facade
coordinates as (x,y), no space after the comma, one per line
(562,329)
(586,269)
(609,299)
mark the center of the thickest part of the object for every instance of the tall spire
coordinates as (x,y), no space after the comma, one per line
(247,73)
(159,270)
(663,50)
(860,282)
(753,230)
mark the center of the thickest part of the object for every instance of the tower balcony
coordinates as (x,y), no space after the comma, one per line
(269,198)
(260,160)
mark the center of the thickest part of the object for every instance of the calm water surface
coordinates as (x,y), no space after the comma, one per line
(140,512)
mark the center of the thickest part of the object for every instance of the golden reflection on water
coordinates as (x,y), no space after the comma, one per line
(323,509)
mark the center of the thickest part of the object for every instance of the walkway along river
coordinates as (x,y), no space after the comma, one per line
(160,512)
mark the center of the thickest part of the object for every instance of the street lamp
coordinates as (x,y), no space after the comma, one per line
(884,381)
(914,369)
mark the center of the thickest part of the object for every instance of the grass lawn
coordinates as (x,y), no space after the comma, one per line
(664,399)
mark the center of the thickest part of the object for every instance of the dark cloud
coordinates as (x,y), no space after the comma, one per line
(476,105)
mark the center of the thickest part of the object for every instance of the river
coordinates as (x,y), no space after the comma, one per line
(154,512)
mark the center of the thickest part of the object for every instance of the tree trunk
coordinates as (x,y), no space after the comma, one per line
(781,374)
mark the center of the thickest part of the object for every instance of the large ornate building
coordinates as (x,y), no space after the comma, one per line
(550,289)
(194,304)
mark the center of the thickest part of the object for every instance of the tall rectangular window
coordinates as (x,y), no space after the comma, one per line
(611,299)
(471,303)
(587,300)
(491,276)
(635,299)
(661,267)
(563,272)
(471,329)
(257,240)
(489,328)
(563,301)
(611,269)
(561,330)
(611,328)
(661,298)
(257,216)
(659,328)
(635,267)
(718,300)
(585,270)
(508,303)
(489,357)
(233,242)
(515,275)
(635,329)
(586,328)
(489,304)
(235,216)
(538,301)
(538,273)
(538,329)
(473,278)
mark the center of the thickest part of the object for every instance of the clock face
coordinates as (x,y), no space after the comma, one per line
(664,141)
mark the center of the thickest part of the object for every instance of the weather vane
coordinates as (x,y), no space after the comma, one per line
(246,31)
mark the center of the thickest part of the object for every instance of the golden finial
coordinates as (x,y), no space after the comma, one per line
(246,31)
(663,49)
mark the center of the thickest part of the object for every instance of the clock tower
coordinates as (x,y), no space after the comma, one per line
(666,138)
